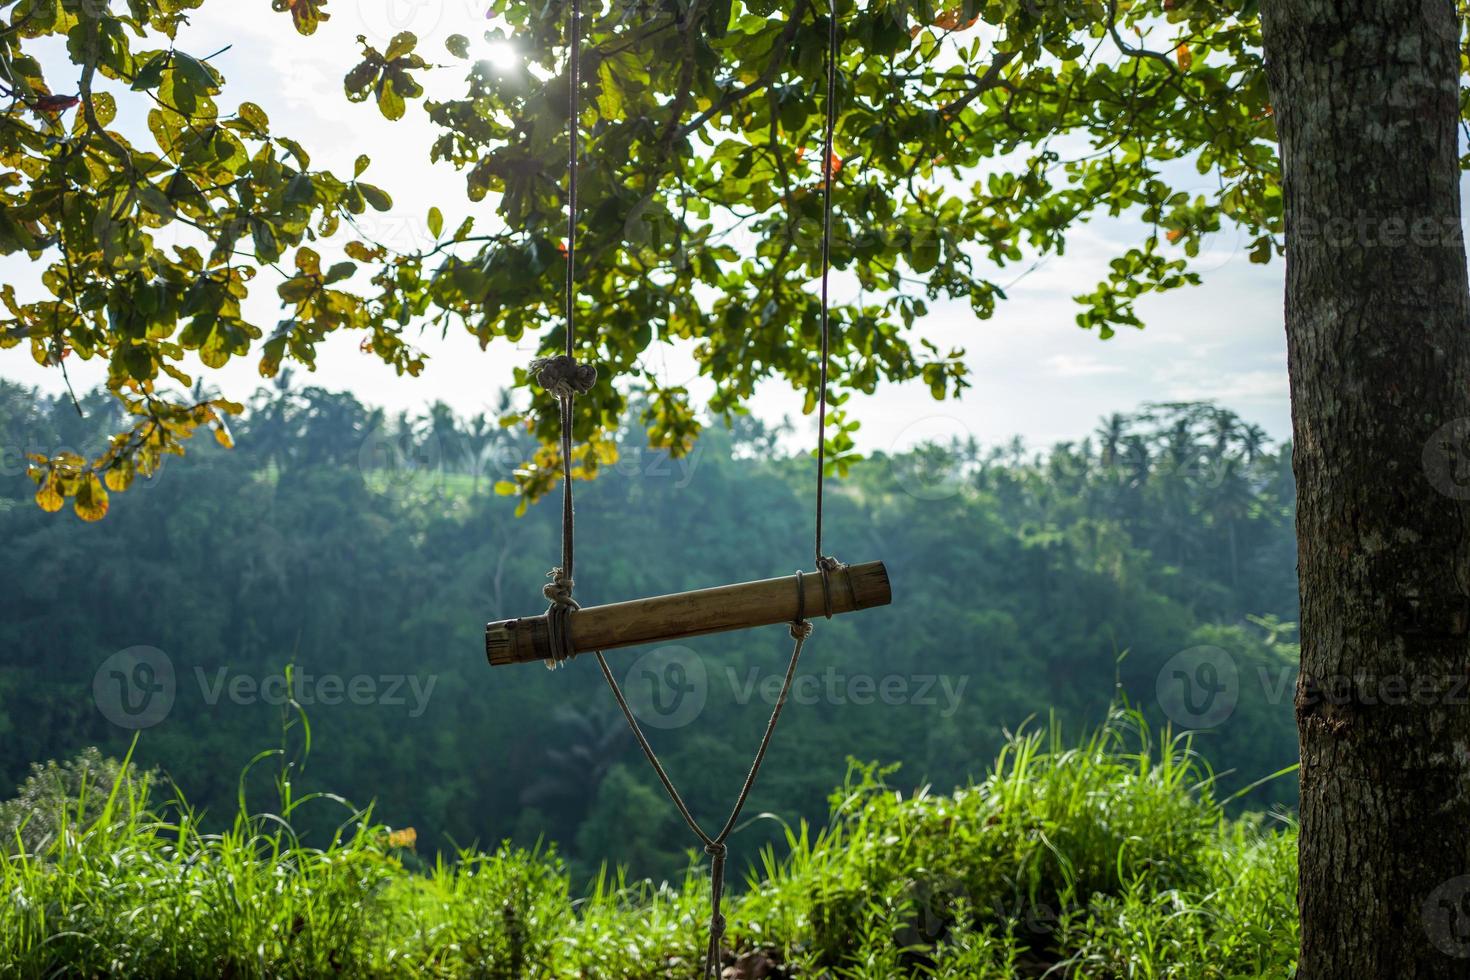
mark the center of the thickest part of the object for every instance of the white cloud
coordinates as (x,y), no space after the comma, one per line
(1073,366)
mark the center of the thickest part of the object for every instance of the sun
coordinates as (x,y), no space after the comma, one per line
(501,55)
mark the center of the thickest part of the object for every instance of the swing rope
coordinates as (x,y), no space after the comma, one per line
(564,378)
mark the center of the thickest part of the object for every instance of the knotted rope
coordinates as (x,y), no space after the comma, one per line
(564,378)
(716,846)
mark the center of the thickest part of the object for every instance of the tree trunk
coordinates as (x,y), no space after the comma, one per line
(1365,96)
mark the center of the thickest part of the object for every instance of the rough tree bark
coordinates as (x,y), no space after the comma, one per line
(1365,98)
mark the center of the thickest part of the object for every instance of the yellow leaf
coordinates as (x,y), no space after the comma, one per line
(91,499)
(119,478)
(48,498)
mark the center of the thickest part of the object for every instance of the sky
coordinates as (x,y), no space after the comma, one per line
(1034,373)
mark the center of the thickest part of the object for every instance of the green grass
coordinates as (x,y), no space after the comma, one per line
(1111,858)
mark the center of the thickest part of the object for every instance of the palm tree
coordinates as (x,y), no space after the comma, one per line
(590,741)
(1230,501)
(479,435)
(333,425)
(1253,441)
(1110,433)
(1221,430)
(271,411)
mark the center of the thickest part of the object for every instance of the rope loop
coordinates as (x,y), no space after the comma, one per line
(713,956)
(826,564)
(563,376)
(559,617)
(800,628)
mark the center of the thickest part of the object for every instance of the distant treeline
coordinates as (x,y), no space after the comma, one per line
(367,552)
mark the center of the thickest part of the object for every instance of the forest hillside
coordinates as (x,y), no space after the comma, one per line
(1150,562)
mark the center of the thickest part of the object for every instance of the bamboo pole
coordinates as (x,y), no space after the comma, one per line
(687,614)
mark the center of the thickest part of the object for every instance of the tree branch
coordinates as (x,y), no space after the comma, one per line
(89,113)
(778,55)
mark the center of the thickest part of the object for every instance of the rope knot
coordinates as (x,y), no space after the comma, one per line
(801,629)
(562,376)
(558,618)
(827,564)
(716,849)
(559,590)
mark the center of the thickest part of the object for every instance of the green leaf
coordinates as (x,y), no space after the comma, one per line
(719,18)
(151,74)
(340,271)
(255,116)
(376,197)
(924,254)
(306,14)
(300,190)
(267,247)
(390,101)
(196,73)
(155,200)
(402,44)
(104,107)
(296,290)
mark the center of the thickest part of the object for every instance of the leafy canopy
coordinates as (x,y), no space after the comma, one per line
(971,140)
